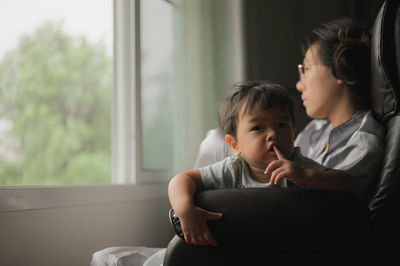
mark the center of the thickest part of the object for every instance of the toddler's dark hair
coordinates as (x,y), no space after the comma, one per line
(251,94)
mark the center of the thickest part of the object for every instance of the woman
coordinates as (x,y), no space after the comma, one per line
(335,86)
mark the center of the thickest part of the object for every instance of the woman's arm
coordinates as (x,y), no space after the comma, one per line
(330,179)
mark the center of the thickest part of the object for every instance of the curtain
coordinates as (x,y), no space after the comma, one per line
(209,60)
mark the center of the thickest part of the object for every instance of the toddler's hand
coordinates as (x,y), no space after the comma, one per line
(284,168)
(195,228)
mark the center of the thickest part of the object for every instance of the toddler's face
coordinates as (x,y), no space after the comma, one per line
(259,130)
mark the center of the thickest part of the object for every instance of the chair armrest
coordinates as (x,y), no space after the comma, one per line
(275,219)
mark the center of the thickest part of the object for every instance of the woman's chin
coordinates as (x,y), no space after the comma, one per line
(314,114)
(310,113)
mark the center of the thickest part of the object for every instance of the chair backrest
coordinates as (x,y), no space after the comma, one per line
(385,67)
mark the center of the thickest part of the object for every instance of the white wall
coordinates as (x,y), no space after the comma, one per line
(69,235)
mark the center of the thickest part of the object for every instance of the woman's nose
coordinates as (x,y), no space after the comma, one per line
(300,86)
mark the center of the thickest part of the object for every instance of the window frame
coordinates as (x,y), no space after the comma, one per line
(127,111)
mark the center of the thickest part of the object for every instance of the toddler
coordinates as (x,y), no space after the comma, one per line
(258,123)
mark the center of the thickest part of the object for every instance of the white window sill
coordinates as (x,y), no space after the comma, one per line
(44,197)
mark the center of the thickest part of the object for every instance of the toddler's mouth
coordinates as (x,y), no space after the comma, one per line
(271,151)
(270,148)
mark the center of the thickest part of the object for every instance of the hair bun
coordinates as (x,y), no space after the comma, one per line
(349,57)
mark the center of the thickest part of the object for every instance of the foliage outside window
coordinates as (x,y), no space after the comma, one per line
(55,97)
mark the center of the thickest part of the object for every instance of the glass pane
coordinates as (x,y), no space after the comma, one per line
(55,91)
(156,77)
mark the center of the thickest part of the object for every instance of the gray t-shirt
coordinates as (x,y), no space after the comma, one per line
(233,172)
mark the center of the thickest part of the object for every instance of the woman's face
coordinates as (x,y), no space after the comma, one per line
(320,90)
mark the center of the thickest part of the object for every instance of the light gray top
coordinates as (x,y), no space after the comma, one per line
(233,172)
(213,148)
(356,147)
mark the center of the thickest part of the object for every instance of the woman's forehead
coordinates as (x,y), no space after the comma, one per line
(311,56)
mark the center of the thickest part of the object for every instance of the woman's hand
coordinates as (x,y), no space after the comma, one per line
(284,168)
(194,226)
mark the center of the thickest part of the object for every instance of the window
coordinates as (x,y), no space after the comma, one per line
(162,103)
(172,67)
(196,61)
(55,92)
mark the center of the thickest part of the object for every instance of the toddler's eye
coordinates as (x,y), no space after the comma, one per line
(256,128)
(283,125)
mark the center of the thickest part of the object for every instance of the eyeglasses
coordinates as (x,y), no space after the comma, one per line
(302,72)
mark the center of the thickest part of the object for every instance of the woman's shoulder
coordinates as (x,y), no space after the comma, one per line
(365,120)
(316,124)
(316,128)
(371,126)
(370,137)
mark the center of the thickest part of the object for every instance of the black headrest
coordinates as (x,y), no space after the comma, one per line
(385,60)
(384,204)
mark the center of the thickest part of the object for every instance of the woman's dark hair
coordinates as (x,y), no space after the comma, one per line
(344,46)
(251,94)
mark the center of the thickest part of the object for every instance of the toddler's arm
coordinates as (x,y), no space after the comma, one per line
(193,219)
(330,179)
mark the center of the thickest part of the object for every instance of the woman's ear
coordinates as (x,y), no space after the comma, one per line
(233,144)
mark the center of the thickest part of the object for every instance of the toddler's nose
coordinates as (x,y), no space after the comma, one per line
(272,136)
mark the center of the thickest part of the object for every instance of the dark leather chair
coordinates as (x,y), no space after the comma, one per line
(280,226)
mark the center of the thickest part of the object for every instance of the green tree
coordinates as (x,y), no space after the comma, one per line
(55,92)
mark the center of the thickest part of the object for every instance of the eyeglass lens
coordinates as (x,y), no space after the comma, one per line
(301,71)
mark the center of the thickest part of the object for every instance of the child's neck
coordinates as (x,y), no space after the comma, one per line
(258,174)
